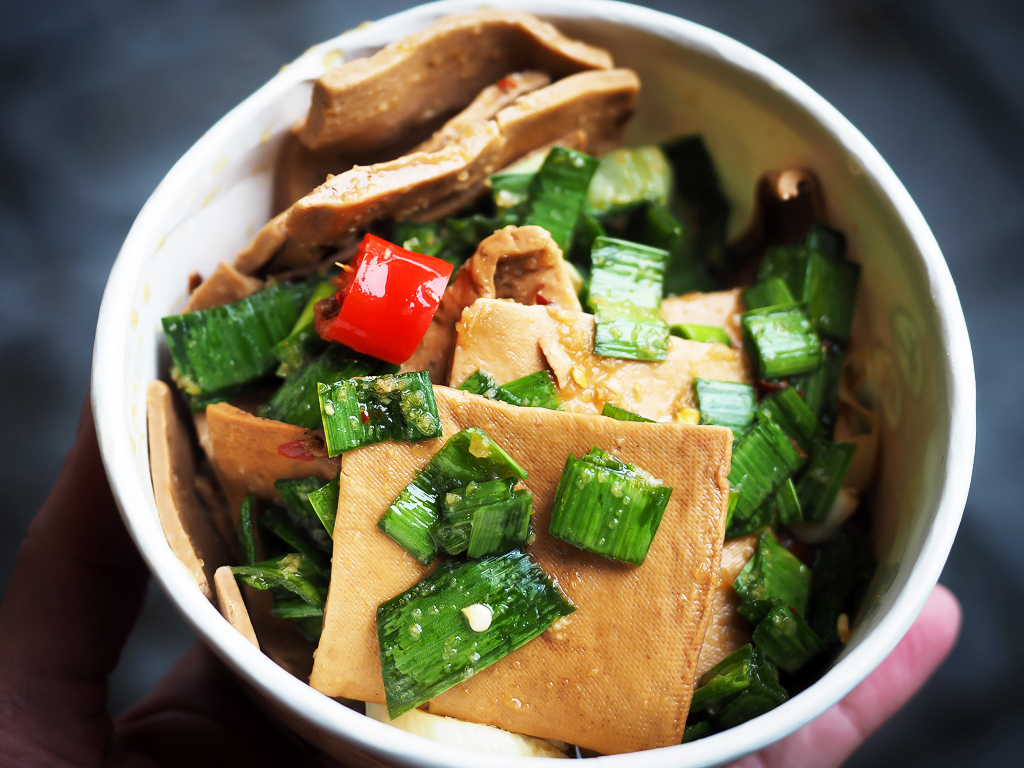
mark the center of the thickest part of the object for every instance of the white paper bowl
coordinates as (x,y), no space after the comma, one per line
(755,116)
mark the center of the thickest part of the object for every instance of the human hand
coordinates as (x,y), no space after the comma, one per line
(75,594)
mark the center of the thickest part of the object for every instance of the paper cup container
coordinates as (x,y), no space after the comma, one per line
(755,117)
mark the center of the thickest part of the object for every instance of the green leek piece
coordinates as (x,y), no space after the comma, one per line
(727,678)
(558,193)
(607,506)
(536,390)
(247,548)
(303,343)
(697,730)
(297,495)
(621,414)
(629,177)
(699,194)
(292,573)
(625,294)
(286,608)
(781,340)
(842,571)
(725,403)
(786,639)
(588,229)
(787,409)
(820,388)
(823,479)
(657,227)
(325,504)
(468,456)
(708,334)
(763,694)
(463,234)
(773,572)
(224,346)
(762,460)
(418,237)
(787,504)
(771,293)
(482,519)
(277,522)
(816,271)
(509,190)
(427,644)
(398,406)
(297,401)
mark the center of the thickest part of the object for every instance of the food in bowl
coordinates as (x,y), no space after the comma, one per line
(619,529)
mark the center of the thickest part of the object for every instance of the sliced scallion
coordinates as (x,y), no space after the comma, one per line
(621,414)
(699,193)
(325,504)
(725,403)
(821,387)
(369,410)
(426,642)
(842,571)
(536,390)
(486,518)
(773,572)
(727,678)
(657,227)
(292,573)
(787,409)
(786,639)
(770,293)
(628,177)
(303,344)
(419,237)
(558,193)
(247,549)
(787,503)
(781,340)
(708,334)
(277,522)
(820,484)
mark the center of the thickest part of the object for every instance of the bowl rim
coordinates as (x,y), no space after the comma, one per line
(109,375)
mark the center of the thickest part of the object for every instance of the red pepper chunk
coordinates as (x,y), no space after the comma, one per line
(385,309)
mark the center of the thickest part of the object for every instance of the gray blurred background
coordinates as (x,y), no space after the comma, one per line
(98,98)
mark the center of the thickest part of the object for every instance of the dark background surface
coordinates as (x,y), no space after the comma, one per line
(98,98)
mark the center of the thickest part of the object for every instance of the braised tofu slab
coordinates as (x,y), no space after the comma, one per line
(509,340)
(615,676)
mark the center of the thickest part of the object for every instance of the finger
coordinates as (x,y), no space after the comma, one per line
(74,595)
(198,715)
(832,738)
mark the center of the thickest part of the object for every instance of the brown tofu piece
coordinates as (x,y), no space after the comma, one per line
(224,286)
(370,103)
(727,630)
(232,607)
(615,676)
(509,340)
(188,529)
(243,450)
(518,263)
(720,309)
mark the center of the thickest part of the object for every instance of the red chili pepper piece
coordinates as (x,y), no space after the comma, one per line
(296,449)
(389,303)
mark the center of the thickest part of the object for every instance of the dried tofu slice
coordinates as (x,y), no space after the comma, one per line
(615,676)
(509,341)
(229,598)
(720,309)
(244,452)
(224,286)
(727,630)
(188,530)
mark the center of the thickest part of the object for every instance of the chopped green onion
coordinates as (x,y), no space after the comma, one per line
(707,334)
(558,193)
(277,522)
(762,695)
(247,548)
(303,343)
(325,504)
(821,387)
(725,403)
(787,503)
(773,572)
(816,272)
(468,456)
(481,519)
(820,484)
(297,402)
(588,229)
(224,346)
(607,506)
(292,573)
(786,639)
(770,293)
(509,190)
(781,340)
(741,686)
(628,177)
(535,390)
(697,730)
(427,644)
(787,409)
(657,227)
(842,571)
(624,294)
(288,608)
(699,193)
(370,410)
(298,496)
(418,237)
(762,460)
(621,414)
